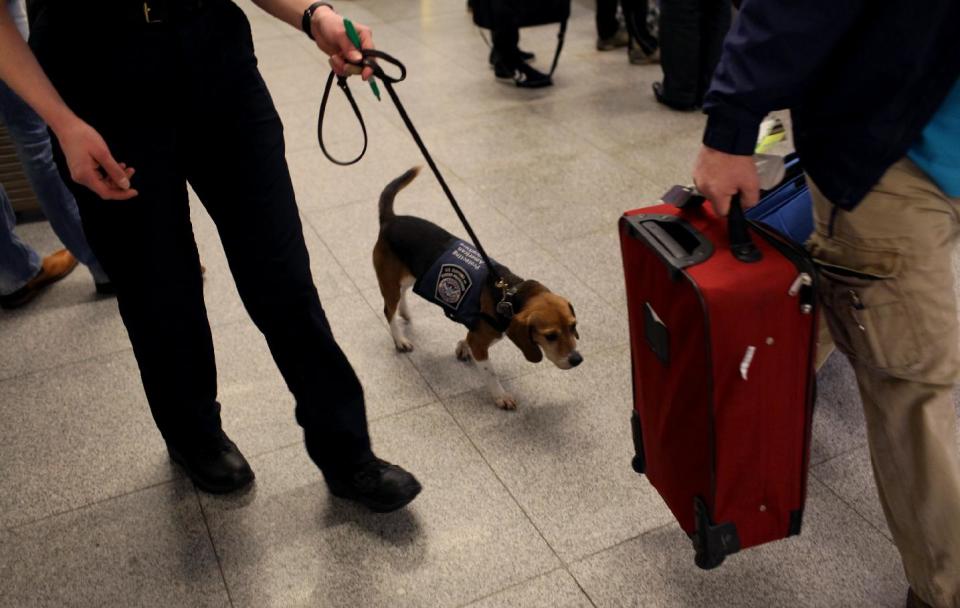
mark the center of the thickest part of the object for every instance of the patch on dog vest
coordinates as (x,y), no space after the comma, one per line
(455,282)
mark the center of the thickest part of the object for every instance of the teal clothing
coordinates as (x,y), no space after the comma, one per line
(938,151)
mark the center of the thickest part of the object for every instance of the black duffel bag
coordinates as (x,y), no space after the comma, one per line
(496,14)
(491,14)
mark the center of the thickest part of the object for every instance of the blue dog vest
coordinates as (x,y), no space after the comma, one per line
(455,282)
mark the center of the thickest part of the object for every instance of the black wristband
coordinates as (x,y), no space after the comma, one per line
(308,15)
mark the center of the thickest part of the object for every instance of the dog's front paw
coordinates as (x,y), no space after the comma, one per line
(463,351)
(506,402)
(403,345)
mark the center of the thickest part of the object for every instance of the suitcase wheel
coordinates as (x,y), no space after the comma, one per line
(711,543)
(703,558)
(638,464)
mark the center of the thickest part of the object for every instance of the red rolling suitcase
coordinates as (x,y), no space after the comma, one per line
(722,333)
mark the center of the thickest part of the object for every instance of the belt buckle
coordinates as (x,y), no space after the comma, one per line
(147,14)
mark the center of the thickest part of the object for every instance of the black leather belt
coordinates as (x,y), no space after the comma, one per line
(166,11)
(129,12)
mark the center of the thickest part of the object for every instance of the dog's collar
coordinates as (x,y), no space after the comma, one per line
(513,296)
(508,293)
(505,308)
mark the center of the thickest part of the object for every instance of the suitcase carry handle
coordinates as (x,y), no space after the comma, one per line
(672,238)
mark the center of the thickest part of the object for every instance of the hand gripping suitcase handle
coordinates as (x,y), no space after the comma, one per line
(741,243)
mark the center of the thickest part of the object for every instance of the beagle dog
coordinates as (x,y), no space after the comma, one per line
(412,252)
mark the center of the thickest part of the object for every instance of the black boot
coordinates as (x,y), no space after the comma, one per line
(679,106)
(521,74)
(216,466)
(376,484)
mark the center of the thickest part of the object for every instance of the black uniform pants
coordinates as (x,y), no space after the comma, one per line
(691,39)
(183,102)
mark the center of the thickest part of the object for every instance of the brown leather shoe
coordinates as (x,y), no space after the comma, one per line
(913,601)
(54,267)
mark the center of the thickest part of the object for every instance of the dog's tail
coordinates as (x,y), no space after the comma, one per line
(390,192)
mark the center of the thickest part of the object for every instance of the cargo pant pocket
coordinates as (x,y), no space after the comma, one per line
(867,312)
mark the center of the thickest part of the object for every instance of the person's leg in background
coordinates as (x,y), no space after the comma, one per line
(509,64)
(35,152)
(715,19)
(18,262)
(22,272)
(609,33)
(644,47)
(506,41)
(888,296)
(32,141)
(680,40)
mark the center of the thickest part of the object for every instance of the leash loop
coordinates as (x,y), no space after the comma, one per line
(342,83)
(372,59)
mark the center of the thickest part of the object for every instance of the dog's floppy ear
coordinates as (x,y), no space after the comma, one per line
(573,313)
(520,333)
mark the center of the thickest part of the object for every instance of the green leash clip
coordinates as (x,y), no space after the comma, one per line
(355,39)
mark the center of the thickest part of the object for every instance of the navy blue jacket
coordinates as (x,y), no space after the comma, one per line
(861,77)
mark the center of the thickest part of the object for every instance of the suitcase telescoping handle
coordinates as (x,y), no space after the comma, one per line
(741,244)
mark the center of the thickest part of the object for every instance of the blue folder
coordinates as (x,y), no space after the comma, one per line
(787,208)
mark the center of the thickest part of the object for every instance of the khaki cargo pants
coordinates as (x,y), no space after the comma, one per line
(888,298)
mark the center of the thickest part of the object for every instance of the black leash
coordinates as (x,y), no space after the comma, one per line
(370,57)
(556,55)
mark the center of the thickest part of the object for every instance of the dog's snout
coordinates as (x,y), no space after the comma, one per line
(575,359)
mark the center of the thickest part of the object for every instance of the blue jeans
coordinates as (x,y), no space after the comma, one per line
(18,262)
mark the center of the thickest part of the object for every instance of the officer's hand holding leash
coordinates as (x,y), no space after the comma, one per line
(325,27)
